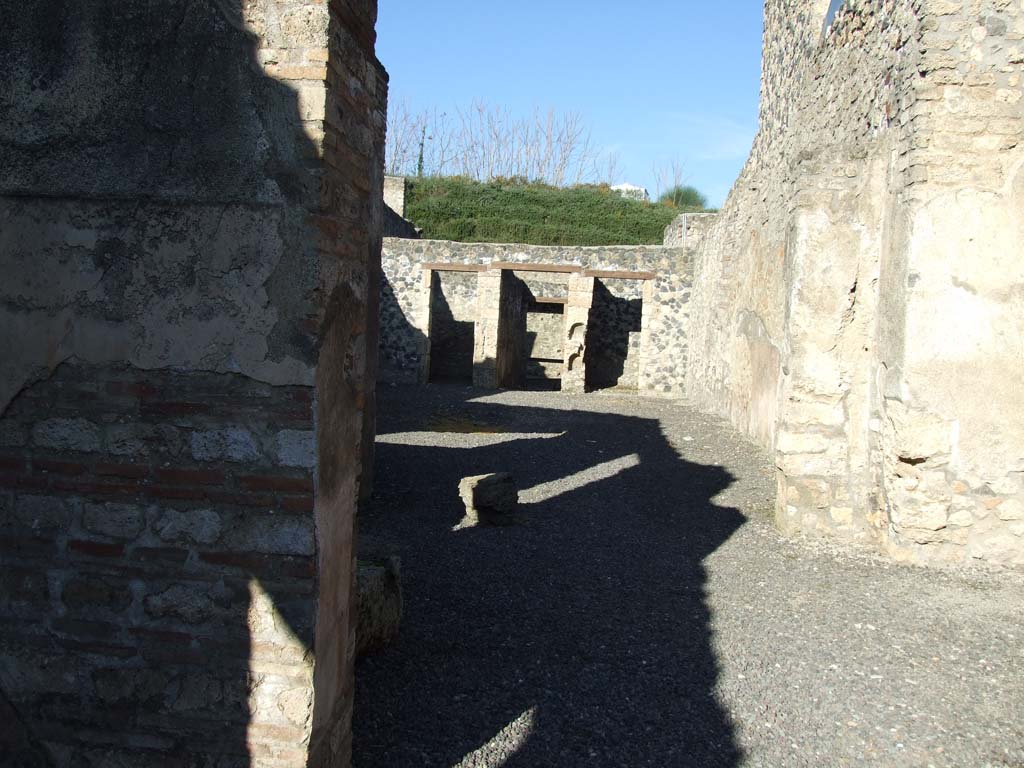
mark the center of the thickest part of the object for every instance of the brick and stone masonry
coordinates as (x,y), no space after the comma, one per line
(190,212)
(857,303)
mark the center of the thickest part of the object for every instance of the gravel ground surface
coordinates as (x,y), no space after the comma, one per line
(644,612)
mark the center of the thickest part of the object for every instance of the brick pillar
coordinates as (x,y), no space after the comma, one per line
(184,406)
(577,317)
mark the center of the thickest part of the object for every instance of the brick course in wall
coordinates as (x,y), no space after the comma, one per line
(831,319)
(159,542)
(186,403)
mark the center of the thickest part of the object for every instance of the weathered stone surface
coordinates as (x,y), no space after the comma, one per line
(489,499)
(191,217)
(233,444)
(378,603)
(688,230)
(190,603)
(851,304)
(410,304)
(198,691)
(1011,510)
(273,534)
(67,435)
(296,448)
(199,526)
(43,515)
(16,743)
(118,521)
(92,593)
(12,435)
(130,685)
(394,194)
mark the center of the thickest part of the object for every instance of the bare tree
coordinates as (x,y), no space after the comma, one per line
(403,135)
(486,142)
(668,177)
(607,168)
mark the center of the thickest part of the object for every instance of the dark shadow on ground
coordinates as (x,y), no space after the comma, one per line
(589,615)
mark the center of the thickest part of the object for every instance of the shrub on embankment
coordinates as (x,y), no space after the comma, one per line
(515,211)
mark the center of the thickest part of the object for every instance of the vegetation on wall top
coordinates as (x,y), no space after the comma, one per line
(517,211)
(685,198)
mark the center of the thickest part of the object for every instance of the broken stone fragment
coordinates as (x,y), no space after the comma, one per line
(489,499)
(378,603)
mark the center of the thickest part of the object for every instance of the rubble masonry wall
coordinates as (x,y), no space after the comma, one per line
(664,360)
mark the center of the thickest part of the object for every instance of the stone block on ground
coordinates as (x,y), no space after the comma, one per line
(378,603)
(489,499)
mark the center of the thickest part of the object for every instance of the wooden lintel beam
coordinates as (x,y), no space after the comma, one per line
(562,268)
(438,267)
(612,274)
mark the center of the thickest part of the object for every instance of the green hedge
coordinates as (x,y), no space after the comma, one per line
(514,211)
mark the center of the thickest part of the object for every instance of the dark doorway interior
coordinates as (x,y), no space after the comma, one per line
(613,335)
(545,331)
(452,319)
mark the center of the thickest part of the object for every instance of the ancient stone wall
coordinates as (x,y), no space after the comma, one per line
(858,307)
(395,223)
(190,201)
(688,229)
(661,369)
(613,349)
(545,329)
(394,194)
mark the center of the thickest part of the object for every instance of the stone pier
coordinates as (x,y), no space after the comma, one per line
(190,208)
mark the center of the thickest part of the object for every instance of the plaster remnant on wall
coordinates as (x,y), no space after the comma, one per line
(870,244)
(189,231)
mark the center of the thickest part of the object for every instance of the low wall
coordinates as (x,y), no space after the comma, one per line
(403,341)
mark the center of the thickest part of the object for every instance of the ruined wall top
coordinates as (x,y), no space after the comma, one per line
(394,194)
(688,230)
(103,166)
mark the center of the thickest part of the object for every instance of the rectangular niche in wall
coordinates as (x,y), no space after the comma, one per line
(545,331)
(452,318)
(613,335)
(545,295)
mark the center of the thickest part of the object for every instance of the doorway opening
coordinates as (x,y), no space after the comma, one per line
(453,296)
(614,335)
(545,332)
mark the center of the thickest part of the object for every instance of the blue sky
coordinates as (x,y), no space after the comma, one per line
(656,81)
